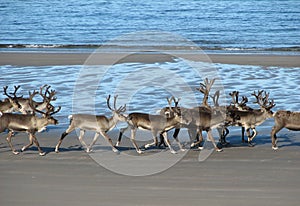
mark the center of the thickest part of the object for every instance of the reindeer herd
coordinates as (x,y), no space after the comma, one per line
(24,114)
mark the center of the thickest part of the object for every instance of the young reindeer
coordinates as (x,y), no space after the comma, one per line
(29,123)
(10,103)
(157,124)
(284,119)
(252,118)
(98,123)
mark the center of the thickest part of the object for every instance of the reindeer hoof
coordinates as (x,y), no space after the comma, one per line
(16,152)
(118,144)
(173,152)
(182,150)
(140,151)
(56,150)
(219,150)
(23,148)
(200,147)
(250,144)
(88,150)
(115,150)
(147,146)
(42,153)
(193,145)
(275,148)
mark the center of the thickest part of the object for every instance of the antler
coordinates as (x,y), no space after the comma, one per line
(205,89)
(12,93)
(216,98)
(263,101)
(48,112)
(120,109)
(51,95)
(234,95)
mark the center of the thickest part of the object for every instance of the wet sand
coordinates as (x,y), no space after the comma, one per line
(44,59)
(240,175)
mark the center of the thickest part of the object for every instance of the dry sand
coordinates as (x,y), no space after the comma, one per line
(238,176)
(41,59)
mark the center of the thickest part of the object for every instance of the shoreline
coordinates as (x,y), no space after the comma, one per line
(55,59)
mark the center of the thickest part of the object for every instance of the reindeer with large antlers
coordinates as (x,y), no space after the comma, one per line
(29,123)
(252,118)
(10,103)
(157,124)
(47,96)
(98,123)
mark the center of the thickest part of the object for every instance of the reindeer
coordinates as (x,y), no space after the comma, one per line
(47,98)
(203,118)
(249,119)
(29,123)
(284,119)
(10,103)
(235,105)
(98,123)
(157,124)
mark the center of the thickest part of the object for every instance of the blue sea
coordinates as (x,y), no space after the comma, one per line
(213,25)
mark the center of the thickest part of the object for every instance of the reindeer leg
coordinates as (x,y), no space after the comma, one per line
(275,129)
(162,142)
(132,139)
(30,143)
(200,138)
(223,132)
(165,135)
(41,153)
(193,134)
(243,134)
(8,139)
(81,134)
(209,134)
(154,135)
(108,139)
(251,137)
(63,135)
(122,130)
(89,148)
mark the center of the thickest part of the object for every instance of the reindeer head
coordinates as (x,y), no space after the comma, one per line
(46,115)
(117,113)
(13,100)
(262,99)
(176,112)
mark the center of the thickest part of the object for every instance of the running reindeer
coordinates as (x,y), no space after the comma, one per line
(98,123)
(29,123)
(157,124)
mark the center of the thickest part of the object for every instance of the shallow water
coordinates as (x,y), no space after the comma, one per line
(144,87)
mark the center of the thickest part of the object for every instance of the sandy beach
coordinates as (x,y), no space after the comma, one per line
(43,59)
(240,175)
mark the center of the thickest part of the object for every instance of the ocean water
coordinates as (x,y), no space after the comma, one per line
(215,25)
